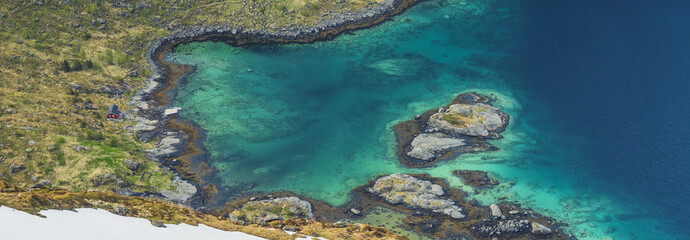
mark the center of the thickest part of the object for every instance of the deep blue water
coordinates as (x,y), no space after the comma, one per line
(596,91)
(618,72)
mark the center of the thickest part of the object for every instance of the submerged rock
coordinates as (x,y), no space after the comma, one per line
(478,179)
(274,209)
(415,193)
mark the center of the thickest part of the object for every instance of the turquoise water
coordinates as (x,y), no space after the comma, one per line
(316,119)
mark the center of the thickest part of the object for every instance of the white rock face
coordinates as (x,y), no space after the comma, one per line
(425,146)
(479,119)
(495,211)
(401,188)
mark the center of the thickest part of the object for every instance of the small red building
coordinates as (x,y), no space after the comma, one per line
(114,112)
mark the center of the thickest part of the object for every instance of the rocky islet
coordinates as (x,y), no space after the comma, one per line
(462,126)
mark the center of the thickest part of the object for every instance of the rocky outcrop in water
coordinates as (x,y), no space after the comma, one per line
(462,126)
(415,193)
(263,211)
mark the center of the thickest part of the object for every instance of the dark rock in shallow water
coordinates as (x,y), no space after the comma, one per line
(478,179)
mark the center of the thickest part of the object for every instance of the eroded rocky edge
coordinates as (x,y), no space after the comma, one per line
(178,142)
(424,196)
(463,126)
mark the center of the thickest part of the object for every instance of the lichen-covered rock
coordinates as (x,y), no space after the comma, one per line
(404,189)
(427,146)
(182,193)
(503,227)
(470,119)
(275,209)
(131,165)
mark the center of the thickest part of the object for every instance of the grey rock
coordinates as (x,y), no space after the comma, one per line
(482,120)
(540,229)
(78,148)
(495,211)
(401,188)
(120,210)
(355,211)
(131,165)
(158,223)
(514,212)
(182,193)
(32,142)
(427,146)
(16,168)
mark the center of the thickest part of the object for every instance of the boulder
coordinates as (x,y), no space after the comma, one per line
(131,165)
(120,210)
(495,211)
(540,229)
(158,223)
(16,168)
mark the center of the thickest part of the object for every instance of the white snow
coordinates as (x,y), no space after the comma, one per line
(88,224)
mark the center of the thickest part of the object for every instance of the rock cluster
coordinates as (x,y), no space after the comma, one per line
(456,127)
(264,211)
(460,127)
(415,193)
(504,227)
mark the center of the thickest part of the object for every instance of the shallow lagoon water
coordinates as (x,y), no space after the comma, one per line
(316,119)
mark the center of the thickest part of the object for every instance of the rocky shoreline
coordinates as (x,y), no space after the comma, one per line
(178,142)
(437,212)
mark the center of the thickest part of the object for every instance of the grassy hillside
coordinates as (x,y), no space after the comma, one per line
(63,62)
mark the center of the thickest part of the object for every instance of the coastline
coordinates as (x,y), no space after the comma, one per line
(187,157)
(179,147)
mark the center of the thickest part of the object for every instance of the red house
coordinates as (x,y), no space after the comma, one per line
(114,112)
